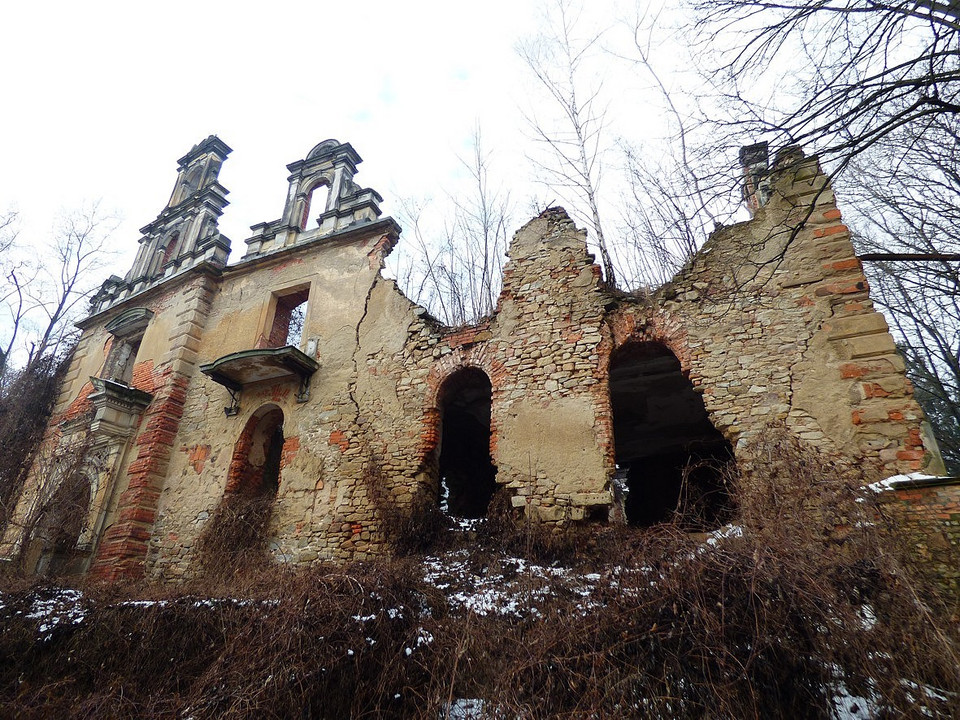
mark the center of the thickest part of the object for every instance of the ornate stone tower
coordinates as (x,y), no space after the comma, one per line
(185,233)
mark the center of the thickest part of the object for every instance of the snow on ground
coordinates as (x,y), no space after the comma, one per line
(850,707)
(498,585)
(484,585)
(894,480)
(507,586)
(54,608)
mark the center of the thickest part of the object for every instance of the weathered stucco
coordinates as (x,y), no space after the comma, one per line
(771,323)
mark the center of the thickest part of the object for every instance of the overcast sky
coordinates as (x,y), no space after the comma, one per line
(102,98)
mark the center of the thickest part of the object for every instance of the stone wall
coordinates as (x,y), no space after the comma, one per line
(540,354)
(928,511)
(321,508)
(771,323)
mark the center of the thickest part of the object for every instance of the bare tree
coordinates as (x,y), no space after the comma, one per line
(454,268)
(838,75)
(17,273)
(907,204)
(678,190)
(482,221)
(54,515)
(26,401)
(43,289)
(66,280)
(44,286)
(556,58)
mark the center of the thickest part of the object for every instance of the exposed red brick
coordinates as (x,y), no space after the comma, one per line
(849,264)
(80,405)
(873,390)
(291,446)
(339,439)
(910,455)
(197,455)
(832,230)
(841,288)
(852,370)
(123,549)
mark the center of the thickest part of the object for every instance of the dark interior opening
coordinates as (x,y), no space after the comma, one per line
(53,544)
(266,449)
(255,466)
(271,466)
(467,472)
(671,460)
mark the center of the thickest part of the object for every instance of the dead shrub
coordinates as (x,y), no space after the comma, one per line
(234,541)
(26,401)
(806,602)
(418,527)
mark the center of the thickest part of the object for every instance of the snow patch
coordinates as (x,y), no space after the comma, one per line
(892,481)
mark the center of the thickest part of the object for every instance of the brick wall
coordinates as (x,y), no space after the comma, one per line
(928,511)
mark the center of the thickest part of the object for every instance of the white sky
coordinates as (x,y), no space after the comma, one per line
(102,97)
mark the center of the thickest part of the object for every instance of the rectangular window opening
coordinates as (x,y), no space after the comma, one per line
(288,319)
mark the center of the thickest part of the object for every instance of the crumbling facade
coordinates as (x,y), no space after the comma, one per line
(301,373)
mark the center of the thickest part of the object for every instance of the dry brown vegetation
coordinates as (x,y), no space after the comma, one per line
(811,595)
(26,400)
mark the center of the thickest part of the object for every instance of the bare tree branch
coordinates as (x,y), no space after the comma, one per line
(556,59)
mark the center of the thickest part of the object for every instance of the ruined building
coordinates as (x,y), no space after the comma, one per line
(300,374)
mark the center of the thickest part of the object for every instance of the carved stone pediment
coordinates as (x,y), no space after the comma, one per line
(117,407)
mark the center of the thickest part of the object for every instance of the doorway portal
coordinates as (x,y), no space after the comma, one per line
(467,472)
(255,468)
(669,456)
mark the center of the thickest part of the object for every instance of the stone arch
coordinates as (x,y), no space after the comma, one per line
(473,356)
(314,190)
(255,464)
(169,247)
(323,148)
(465,469)
(670,460)
(54,541)
(192,179)
(657,327)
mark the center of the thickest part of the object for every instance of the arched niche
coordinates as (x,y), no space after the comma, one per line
(671,461)
(255,466)
(53,546)
(466,469)
(315,202)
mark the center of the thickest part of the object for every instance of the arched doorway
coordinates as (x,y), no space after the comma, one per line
(237,532)
(255,467)
(467,472)
(670,458)
(53,541)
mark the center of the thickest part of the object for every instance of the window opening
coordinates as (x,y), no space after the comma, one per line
(295,327)
(168,251)
(316,203)
(671,460)
(122,358)
(288,320)
(467,472)
(237,532)
(127,330)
